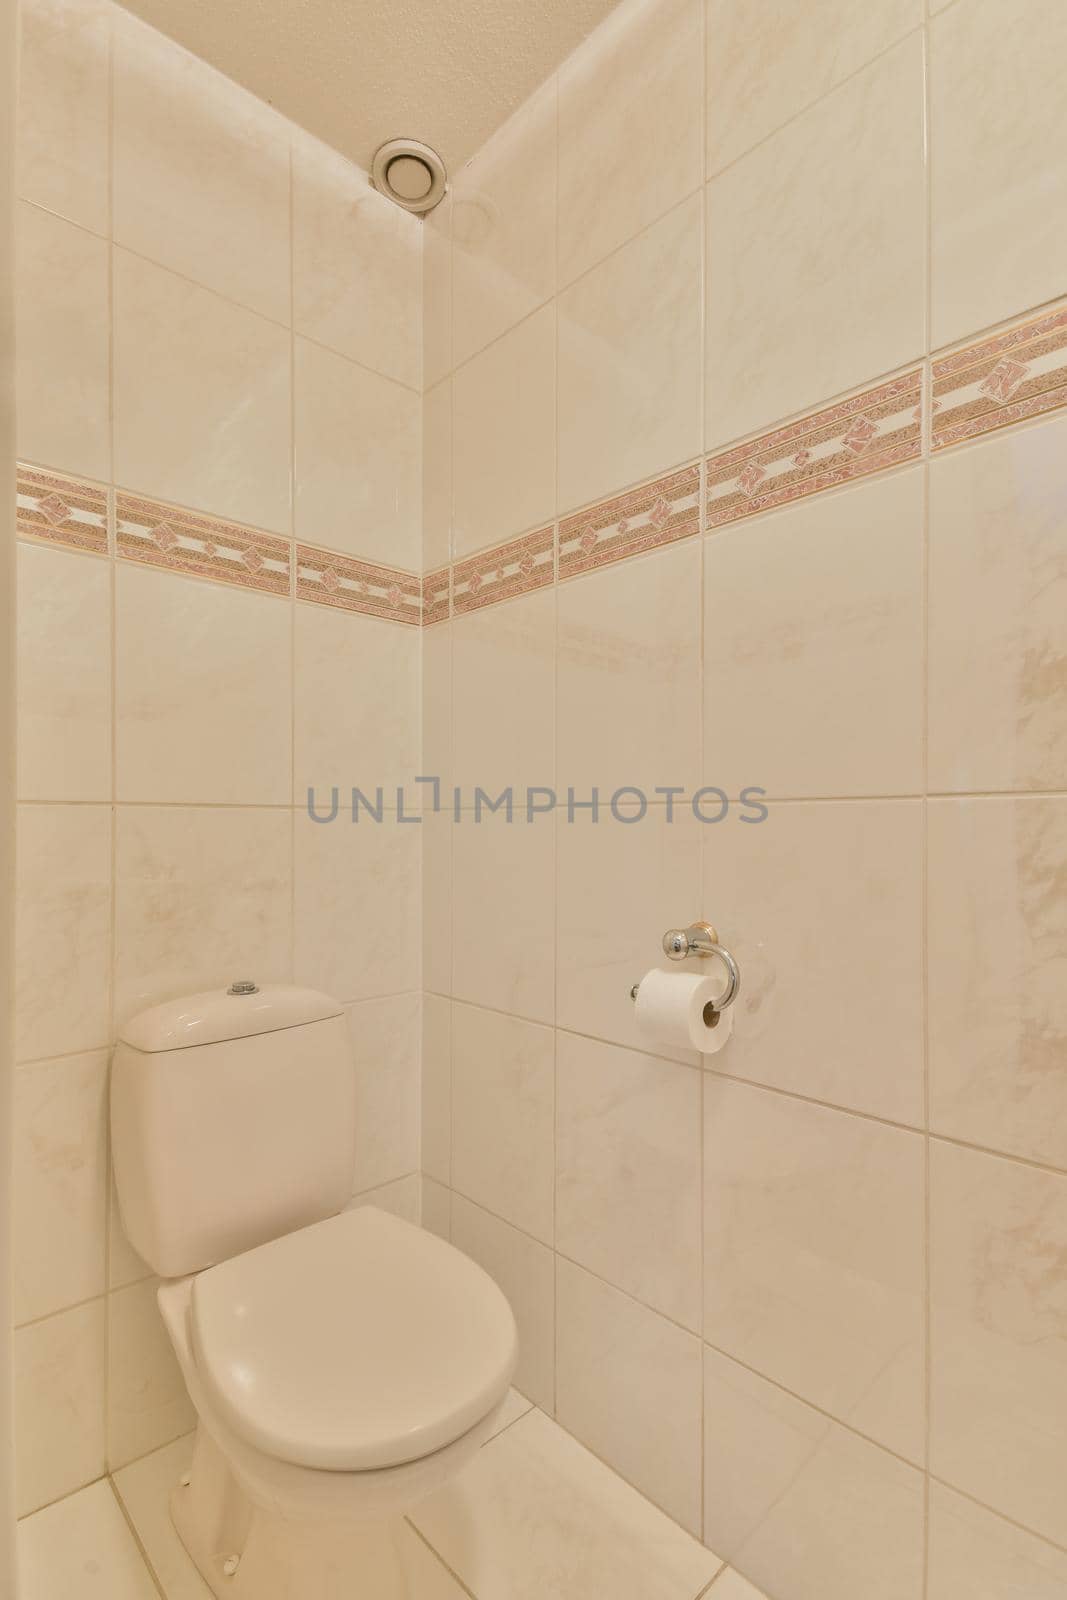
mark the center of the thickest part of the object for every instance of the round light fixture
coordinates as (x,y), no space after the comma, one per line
(410,173)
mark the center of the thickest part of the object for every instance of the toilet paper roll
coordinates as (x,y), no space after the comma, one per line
(673,1007)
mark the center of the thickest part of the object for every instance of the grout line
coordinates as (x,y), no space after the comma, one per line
(138,1541)
(924,844)
(707,1591)
(112,542)
(220,294)
(438,1556)
(62,1311)
(827,94)
(1012,1522)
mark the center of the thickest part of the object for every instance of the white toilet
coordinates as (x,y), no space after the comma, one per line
(343,1364)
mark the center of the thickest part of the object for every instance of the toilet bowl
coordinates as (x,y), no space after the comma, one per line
(341,1369)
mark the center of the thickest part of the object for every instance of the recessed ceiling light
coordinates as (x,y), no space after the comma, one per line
(410,173)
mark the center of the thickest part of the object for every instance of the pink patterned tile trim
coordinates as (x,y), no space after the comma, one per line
(331,579)
(1018,373)
(184,541)
(63,511)
(655,514)
(436,596)
(878,428)
(505,571)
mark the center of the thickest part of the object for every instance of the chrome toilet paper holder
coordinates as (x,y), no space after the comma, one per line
(701,939)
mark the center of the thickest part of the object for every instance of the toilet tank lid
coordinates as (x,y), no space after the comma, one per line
(216,1015)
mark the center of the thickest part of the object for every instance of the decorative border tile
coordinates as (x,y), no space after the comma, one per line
(509,569)
(185,541)
(63,511)
(875,429)
(645,518)
(436,596)
(1016,374)
(331,579)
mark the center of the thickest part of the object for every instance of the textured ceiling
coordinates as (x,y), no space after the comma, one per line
(358,72)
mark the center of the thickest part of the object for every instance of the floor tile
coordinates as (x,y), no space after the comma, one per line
(82,1549)
(145,1490)
(535,1515)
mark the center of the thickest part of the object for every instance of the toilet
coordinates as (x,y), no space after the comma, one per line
(343,1363)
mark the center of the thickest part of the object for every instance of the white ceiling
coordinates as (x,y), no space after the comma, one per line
(358,72)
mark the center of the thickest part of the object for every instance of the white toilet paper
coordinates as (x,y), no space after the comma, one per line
(671,1008)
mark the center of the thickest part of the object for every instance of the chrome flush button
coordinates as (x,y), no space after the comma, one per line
(243,986)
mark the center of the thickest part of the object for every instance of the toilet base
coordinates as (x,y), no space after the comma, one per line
(243,1552)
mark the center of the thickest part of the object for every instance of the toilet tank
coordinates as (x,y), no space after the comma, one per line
(233,1121)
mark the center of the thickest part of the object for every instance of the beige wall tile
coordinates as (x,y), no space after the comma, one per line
(64,676)
(999,188)
(201,171)
(825,900)
(62,345)
(437,476)
(628,1172)
(385,1046)
(629,1385)
(813,683)
(621,885)
(766,63)
(503,436)
(535,1515)
(502,913)
(503,1117)
(357,906)
(813,1245)
(357,265)
(630,127)
(815,253)
(998,614)
(147,1402)
(629,362)
(203,676)
(83,1546)
(63,108)
(504,227)
(998,1343)
(436,1088)
(201,397)
(63,909)
(998,1011)
(202,896)
(60,1379)
(798,1503)
(628,640)
(356,704)
(503,689)
(525,1271)
(974,1553)
(59,1146)
(357,460)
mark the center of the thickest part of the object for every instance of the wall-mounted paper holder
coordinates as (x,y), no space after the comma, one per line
(701,939)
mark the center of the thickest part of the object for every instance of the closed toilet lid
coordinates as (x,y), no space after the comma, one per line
(357,1343)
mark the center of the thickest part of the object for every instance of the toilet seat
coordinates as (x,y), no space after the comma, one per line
(352,1345)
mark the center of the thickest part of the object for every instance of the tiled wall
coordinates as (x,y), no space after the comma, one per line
(746,463)
(219,416)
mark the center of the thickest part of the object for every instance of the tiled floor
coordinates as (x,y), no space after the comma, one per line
(534,1515)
